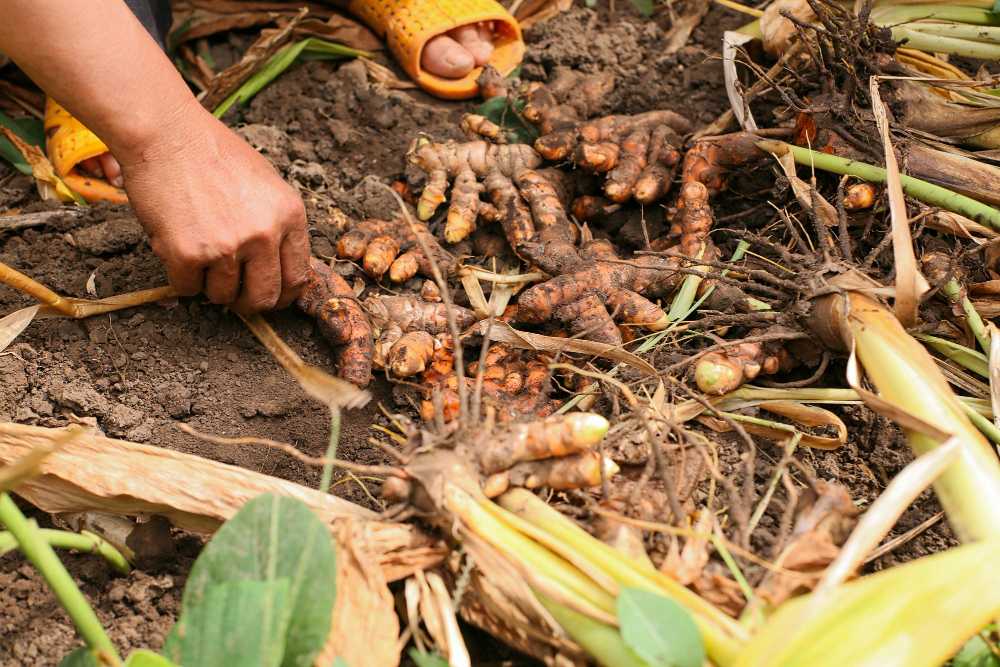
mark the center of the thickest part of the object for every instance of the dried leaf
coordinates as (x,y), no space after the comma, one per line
(813,417)
(504,333)
(343,30)
(229,79)
(533,12)
(385,77)
(91,286)
(364,607)
(42,170)
(910,283)
(319,384)
(12,325)
(825,517)
(731,43)
(807,195)
(684,24)
(92,473)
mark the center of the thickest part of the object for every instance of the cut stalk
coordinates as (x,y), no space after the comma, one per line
(907,378)
(40,554)
(928,193)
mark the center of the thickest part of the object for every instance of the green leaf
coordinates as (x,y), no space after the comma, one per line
(270,539)
(235,623)
(146,658)
(976,653)
(81,657)
(659,630)
(996,7)
(644,7)
(314,47)
(507,115)
(427,659)
(29,129)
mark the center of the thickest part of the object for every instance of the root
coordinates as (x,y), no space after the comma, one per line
(342,321)
(391,246)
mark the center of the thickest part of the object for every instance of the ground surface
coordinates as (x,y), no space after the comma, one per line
(140,372)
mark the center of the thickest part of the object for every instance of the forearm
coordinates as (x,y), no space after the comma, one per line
(97,60)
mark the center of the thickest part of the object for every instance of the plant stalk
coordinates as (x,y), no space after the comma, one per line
(935,195)
(40,554)
(906,376)
(62,539)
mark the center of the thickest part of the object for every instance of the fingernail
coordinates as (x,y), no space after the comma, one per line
(118,181)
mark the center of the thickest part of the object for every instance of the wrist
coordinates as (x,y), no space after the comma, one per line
(158,133)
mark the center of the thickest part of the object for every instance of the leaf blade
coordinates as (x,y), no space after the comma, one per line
(659,630)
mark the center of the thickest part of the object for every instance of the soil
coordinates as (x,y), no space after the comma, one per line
(138,373)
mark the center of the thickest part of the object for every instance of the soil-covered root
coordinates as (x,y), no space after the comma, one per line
(515,384)
(593,288)
(329,299)
(474,167)
(639,153)
(392,246)
(411,331)
(721,372)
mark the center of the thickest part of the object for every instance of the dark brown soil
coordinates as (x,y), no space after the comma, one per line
(140,372)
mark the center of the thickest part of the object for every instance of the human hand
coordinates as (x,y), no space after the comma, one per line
(218,215)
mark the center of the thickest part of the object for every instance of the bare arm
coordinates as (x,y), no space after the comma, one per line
(217,214)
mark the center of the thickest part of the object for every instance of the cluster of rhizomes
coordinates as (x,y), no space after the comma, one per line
(589,288)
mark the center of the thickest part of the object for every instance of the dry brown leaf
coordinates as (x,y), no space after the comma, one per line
(910,283)
(229,79)
(41,169)
(533,12)
(813,417)
(319,384)
(341,29)
(807,195)
(364,630)
(12,325)
(684,24)
(778,32)
(385,77)
(504,333)
(824,519)
(94,473)
(686,565)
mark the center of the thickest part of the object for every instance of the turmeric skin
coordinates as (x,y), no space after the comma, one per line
(329,299)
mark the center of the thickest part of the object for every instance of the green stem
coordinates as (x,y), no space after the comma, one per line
(331,450)
(891,16)
(965,357)
(953,291)
(723,637)
(923,41)
(61,539)
(988,428)
(906,376)
(41,555)
(601,641)
(926,192)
